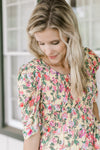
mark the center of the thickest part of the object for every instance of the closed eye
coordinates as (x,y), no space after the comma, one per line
(52,42)
(55,43)
(40,43)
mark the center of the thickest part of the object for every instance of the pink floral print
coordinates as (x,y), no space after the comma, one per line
(47,104)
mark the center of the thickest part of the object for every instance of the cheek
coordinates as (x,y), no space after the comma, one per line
(41,48)
(62,48)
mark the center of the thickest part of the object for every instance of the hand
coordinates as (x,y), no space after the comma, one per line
(96,111)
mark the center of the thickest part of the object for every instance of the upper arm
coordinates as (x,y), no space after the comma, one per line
(28,100)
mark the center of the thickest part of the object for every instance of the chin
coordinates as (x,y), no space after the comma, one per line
(54,62)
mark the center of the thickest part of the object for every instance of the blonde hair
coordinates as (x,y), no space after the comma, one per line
(57,14)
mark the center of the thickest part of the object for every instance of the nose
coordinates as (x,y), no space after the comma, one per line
(48,50)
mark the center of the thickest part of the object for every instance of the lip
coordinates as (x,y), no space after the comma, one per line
(52,57)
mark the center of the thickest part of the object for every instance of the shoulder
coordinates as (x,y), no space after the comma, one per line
(29,69)
(92,60)
(91,56)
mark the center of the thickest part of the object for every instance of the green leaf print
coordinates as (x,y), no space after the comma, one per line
(62,78)
(67,138)
(26,68)
(97,136)
(33,85)
(76,141)
(84,98)
(75,122)
(59,117)
(44,82)
(69,144)
(69,94)
(69,135)
(51,148)
(58,96)
(25,76)
(28,91)
(34,73)
(25,87)
(60,142)
(44,105)
(78,115)
(68,110)
(52,94)
(19,77)
(27,112)
(52,143)
(44,142)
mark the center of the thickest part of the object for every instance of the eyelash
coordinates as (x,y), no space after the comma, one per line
(56,43)
(51,43)
(41,44)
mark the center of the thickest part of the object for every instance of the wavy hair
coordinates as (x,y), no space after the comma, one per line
(57,14)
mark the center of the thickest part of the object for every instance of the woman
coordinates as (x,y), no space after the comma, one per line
(58,89)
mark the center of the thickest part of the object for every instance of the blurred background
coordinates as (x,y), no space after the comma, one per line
(15,15)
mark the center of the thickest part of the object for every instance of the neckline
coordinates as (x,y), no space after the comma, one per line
(56,72)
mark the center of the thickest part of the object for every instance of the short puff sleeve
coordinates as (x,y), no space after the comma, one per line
(28,100)
(92,61)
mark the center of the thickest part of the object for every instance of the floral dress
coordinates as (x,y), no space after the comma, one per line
(47,104)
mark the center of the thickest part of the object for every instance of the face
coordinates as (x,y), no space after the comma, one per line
(51,44)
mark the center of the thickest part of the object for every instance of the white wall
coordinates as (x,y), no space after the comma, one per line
(7,143)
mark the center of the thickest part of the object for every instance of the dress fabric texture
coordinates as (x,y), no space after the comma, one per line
(47,104)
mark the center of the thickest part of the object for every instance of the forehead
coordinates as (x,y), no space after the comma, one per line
(47,35)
